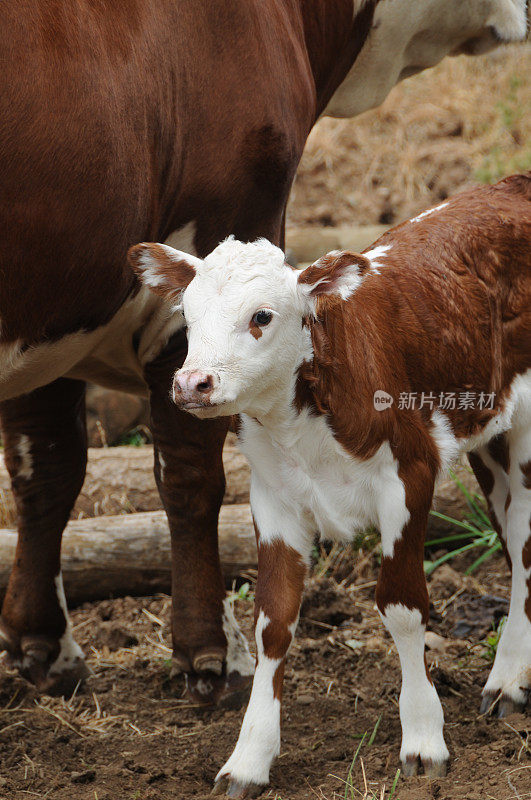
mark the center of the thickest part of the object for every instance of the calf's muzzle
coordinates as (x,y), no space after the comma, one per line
(192,388)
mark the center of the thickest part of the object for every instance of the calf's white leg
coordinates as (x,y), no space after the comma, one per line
(402,599)
(510,678)
(281,574)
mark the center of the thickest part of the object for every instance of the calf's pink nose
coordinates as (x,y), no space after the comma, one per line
(192,386)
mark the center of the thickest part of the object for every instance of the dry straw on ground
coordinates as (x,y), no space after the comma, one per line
(467,120)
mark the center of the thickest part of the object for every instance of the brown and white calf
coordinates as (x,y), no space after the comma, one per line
(438,308)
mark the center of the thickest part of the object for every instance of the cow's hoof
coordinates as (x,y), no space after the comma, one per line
(432,769)
(209,688)
(53,667)
(65,683)
(229,787)
(500,705)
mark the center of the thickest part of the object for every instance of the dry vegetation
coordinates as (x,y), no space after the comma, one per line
(467,120)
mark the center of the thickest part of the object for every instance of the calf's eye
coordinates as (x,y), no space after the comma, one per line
(262,318)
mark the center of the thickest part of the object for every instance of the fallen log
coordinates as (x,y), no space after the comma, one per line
(130,554)
(120,480)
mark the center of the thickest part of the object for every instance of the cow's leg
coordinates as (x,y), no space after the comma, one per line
(207,643)
(402,599)
(281,574)
(45,451)
(509,681)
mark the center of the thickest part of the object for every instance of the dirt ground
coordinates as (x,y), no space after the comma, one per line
(130,735)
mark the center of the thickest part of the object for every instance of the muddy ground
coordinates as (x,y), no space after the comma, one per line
(130,735)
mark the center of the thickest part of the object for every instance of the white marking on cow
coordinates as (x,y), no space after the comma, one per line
(239,658)
(70,652)
(408,37)
(509,20)
(511,672)
(107,355)
(375,255)
(428,213)
(421,712)
(259,740)
(162,465)
(25,469)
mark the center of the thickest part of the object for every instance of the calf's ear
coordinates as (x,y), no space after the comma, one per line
(338,272)
(166,271)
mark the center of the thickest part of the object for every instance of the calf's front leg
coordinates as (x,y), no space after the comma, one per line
(402,599)
(281,573)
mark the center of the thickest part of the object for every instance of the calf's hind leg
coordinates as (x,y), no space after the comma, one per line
(402,599)
(509,681)
(45,451)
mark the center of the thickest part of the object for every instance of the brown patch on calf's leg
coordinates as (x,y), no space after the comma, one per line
(498,450)
(281,574)
(526,472)
(45,452)
(190,479)
(402,599)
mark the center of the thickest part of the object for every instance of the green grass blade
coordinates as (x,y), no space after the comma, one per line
(374,731)
(483,557)
(349,776)
(395,783)
(460,523)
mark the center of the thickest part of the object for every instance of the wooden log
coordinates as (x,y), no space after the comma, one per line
(120,480)
(130,554)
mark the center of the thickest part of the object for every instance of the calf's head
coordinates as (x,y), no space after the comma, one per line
(245,310)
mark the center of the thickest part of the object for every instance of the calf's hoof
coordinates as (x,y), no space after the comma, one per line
(229,787)
(432,769)
(501,705)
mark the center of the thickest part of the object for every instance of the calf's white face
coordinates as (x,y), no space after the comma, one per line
(244,309)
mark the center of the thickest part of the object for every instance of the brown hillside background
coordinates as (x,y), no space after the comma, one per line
(466,121)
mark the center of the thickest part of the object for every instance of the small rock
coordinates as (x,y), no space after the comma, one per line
(87,776)
(354,644)
(305,699)
(435,642)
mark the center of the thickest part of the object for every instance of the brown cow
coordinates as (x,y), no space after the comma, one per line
(126,120)
(358,381)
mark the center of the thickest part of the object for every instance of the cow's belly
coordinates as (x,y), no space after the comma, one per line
(112,355)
